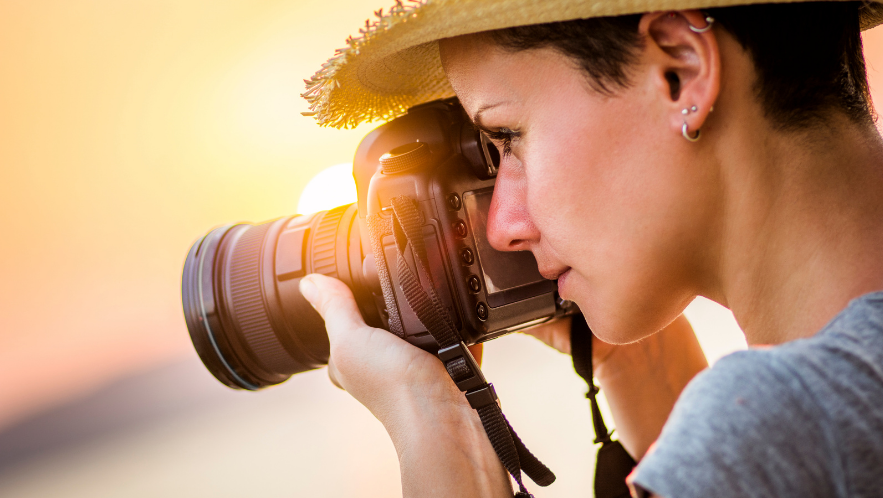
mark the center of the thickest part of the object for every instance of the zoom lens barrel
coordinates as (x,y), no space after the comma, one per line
(247,318)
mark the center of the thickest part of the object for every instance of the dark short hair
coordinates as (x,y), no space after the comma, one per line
(808,56)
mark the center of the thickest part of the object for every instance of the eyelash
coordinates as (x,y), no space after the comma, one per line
(503,136)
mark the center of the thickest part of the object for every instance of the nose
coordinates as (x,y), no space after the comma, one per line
(509,226)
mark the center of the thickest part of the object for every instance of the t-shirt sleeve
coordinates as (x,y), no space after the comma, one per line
(745,428)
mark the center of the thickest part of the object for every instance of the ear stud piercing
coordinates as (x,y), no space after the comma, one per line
(709,21)
(684,131)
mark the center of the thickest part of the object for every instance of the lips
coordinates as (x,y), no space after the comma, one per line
(553,273)
(559,274)
(562,278)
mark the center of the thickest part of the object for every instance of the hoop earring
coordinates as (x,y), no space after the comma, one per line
(686,134)
(709,20)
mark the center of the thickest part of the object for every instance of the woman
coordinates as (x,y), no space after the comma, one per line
(648,159)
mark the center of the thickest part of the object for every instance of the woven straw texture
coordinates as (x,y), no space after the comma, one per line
(394,62)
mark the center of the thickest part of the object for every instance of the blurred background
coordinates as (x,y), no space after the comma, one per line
(127,130)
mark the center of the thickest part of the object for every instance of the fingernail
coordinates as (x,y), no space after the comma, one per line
(309,290)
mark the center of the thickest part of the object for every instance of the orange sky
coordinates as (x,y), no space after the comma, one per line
(127,130)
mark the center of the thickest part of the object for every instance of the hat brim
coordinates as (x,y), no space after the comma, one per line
(395,64)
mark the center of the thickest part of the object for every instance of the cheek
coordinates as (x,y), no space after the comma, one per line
(599,178)
(618,211)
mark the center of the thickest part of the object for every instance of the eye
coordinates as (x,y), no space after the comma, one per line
(503,138)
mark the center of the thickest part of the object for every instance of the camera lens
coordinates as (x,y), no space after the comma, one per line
(247,318)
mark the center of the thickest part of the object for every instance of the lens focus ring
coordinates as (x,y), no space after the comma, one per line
(324,251)
(247,302)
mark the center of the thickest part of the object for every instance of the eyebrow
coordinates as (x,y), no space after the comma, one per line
(476,121)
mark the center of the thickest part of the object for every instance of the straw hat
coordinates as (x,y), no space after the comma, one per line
(394,62)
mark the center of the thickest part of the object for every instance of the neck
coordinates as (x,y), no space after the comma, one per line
(801,230)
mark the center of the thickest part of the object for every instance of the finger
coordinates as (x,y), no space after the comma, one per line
(334,301)
(477,351)
(555,334)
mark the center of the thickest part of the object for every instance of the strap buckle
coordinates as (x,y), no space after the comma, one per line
(482,397)
(463,368)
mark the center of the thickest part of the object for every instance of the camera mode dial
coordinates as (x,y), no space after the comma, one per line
(408,156)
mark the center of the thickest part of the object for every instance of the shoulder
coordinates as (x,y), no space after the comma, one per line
(747,398)
(746,427)
(801,419)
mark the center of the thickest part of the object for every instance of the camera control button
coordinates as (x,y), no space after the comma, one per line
(481,311)
(474,284)
(454,202)
(467,257)
(460,228)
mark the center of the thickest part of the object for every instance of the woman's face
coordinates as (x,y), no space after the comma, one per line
(599,188)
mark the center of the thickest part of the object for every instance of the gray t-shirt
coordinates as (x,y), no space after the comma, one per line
(803,419)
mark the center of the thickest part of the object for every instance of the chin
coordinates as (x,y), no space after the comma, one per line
(615,336)
(619,309)
(618,321)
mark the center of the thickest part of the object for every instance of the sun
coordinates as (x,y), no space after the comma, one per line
(333,186)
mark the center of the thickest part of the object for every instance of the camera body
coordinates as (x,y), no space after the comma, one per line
(251,326)
(488,293)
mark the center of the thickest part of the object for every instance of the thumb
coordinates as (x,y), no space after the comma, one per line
(334,301)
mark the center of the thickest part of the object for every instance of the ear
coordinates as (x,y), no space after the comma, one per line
(685,64)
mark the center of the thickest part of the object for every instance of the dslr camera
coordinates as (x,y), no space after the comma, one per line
(413,249)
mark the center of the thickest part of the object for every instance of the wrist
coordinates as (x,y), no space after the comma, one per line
(673,353)
(642,381)
(443,450)
(441,444)
(436,408)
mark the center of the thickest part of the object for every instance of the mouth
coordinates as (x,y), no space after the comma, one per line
(561,279)
(553,274)
(559,274)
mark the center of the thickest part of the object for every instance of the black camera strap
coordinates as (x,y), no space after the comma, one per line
(419,289)
(614,463)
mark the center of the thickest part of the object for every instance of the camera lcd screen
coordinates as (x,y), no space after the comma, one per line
(508,276)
